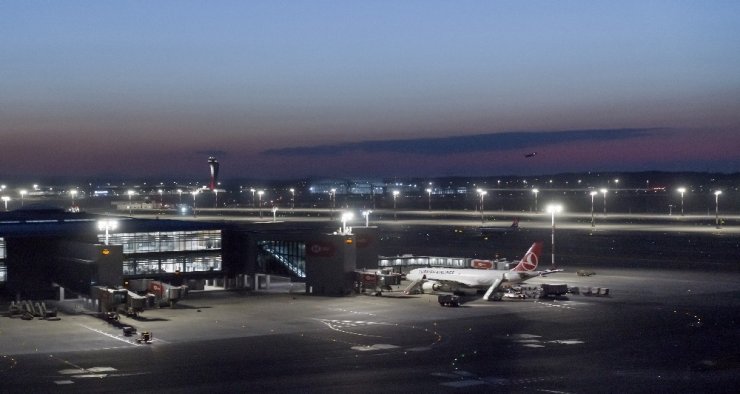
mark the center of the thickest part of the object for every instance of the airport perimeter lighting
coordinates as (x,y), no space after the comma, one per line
(73,193)
(107,225)
(366,214)
(716,207)
(346,216)
(274,214)
(593,193)
(604,191)
(5,200)
(260,193)
(535,191)
(482,195)
(681,190)
(195,194)
(429,193)
(22,192)
(292,198)
(130,193)
(553,209)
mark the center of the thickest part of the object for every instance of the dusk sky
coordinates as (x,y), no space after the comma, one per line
(288,89)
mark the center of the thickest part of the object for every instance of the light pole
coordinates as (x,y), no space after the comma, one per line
(395,195)
(346,216)
(195,194)
(274,214)
(260,193)
(553,209)
(107,224)
(292,198)
(593,193)
(681,190)
(333,198)
(716,207)
(179,195)
(482,195)
(130,193)
(604,191)
(252,190)
(535,191)
(73,193)
(215,204)
(429,192)
(5,200)
(22,192)
(366,214)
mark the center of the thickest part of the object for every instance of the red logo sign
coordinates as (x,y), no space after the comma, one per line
(321,249)
(482,264)
(363,240)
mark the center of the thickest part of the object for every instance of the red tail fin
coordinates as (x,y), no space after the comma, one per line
(530,259)
(515,223)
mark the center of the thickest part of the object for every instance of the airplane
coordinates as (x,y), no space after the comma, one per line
(469,281)
(528,155)
(514,226)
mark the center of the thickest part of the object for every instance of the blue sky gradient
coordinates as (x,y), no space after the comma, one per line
(142,88)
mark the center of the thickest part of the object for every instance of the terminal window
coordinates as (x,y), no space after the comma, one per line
(171,241)
(171,264)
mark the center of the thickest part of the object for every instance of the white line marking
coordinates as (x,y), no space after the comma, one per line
(109,335)
(463,383)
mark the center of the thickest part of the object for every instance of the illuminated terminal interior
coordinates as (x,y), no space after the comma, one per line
(424,261)
(146,253)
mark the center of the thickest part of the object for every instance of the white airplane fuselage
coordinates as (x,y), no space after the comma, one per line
(467,277)
(471,280)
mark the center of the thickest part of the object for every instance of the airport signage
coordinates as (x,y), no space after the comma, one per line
(481,264)
(320,249)
(363,240)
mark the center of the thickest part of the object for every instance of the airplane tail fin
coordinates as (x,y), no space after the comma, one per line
(515,223)
(530,259)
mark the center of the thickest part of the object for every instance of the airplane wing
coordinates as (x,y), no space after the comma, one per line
(547,272)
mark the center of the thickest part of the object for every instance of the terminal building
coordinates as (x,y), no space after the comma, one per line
(48,251)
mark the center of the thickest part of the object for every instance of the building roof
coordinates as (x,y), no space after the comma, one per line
(50,221)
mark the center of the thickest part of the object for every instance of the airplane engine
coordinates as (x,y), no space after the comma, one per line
(432,286)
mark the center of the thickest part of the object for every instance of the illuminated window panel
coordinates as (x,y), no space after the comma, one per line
(172,241)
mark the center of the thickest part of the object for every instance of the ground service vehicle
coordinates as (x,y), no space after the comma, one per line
(448,300)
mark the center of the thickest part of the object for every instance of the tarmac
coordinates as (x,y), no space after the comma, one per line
(655,330)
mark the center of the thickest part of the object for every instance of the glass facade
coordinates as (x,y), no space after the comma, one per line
(153,265)
(424,261)
(171,241)
(290,254)
(168,251)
